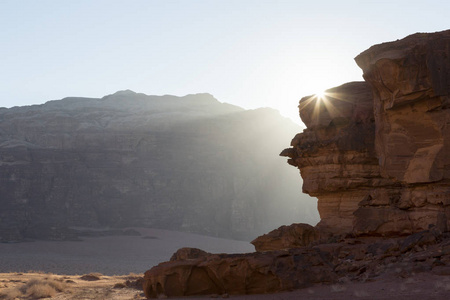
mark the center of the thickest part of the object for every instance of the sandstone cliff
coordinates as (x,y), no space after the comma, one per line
(377,153)
(127,159)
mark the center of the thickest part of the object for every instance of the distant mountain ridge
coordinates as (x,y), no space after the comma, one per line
(183,163)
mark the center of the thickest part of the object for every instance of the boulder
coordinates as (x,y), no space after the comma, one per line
(287,237)
(188,253)
(254,273)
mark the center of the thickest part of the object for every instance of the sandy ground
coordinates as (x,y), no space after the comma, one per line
(420,286)
(111,255)
(75,287)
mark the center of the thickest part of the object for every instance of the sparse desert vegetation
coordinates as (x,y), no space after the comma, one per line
(88,286)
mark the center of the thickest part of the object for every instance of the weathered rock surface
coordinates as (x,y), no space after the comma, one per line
(377,153)
(127,159)
(188,253)
(287,237)
(342,260)
(336,153)
(255,273)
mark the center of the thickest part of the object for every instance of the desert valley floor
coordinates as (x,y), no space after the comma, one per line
(115,257)
(109,255)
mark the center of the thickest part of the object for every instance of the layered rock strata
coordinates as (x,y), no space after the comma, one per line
(377,153)
(336,152)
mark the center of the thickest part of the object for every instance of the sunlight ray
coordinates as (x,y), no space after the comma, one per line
(338,96)
(332,110)
(323,102)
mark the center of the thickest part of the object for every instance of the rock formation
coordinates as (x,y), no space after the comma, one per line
(341,260)
(254,273)
(127,159)
(336,152)
(376,154)
(287,237)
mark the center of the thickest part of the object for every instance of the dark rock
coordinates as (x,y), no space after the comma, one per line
(90,277)
(135,283)
(417,240)
(287,237)
(188,253)
(256,273)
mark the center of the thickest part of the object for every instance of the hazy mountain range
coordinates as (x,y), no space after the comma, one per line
(181,163)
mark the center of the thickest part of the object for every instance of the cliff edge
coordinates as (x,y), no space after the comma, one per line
(377,153)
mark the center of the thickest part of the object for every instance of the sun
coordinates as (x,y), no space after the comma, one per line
(320,94)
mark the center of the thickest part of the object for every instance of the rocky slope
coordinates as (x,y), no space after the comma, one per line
(128,159)
(362,259)
(376,154)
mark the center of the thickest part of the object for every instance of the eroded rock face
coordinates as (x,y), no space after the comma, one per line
(254,273)
(411,83)
(336,153)
(377,154)
(340,260)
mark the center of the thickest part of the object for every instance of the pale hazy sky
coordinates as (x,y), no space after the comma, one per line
(249,53)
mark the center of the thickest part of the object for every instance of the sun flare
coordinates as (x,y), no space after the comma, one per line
(320,94)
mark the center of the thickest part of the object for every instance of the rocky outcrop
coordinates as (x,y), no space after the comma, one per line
(132,160)
(377,153)
(410,80)
(287,237)
(336,152)
(255,273)
(349,259)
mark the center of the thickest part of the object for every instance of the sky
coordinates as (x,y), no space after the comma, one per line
(251,53)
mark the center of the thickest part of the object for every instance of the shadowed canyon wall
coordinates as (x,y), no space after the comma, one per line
(181,163)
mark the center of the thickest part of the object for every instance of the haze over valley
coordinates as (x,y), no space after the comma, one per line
(130,160)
